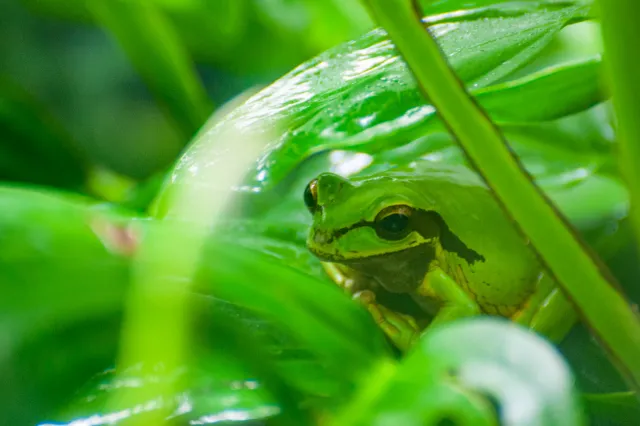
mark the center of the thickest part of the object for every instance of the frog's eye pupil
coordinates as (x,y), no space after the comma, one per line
(311,196)
(394,225)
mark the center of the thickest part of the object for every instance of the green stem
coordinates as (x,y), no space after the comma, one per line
(620,30)
(580,274)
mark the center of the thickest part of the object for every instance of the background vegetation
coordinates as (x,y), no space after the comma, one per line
(121,306)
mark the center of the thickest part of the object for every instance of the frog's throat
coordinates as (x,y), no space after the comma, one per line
(401,271)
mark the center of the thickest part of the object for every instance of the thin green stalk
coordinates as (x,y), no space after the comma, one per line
(155,50)
(368,393)
(157,314)
(580,274)
(620,31)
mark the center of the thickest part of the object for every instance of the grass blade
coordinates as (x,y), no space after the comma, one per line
(156,52)
(620,25)
(35,148)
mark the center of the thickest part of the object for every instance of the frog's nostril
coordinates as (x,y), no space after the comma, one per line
(321,237)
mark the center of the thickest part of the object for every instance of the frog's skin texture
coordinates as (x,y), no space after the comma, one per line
(437,235)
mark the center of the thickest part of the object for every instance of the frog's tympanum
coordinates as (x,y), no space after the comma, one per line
(437,236)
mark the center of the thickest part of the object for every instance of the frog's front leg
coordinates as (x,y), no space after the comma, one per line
(455,302)
(402,329)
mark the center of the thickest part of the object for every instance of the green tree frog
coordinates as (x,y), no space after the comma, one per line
(436,235)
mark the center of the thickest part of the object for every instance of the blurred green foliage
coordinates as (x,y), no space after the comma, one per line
(98,100)
(87,74)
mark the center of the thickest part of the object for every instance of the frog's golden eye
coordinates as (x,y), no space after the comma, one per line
(311,196)
(394,223)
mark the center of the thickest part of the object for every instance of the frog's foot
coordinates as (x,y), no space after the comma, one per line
(456,304)
(401,329)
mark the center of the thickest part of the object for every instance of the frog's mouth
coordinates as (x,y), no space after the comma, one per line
(398,273)
(326,256)
(401,271)
(398,301)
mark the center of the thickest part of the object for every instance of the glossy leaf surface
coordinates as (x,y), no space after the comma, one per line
(456,370)
(361,94)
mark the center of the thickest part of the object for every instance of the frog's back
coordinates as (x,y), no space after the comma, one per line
(485,251)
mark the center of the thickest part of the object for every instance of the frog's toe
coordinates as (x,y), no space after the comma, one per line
(401,329)
(365,297)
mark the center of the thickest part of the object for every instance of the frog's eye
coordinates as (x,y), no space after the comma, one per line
(311,196)
(394,223)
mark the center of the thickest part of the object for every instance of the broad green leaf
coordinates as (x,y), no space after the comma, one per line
(454,372)
(227,376)
(360,92)
(156,52)
(533,99)
(342,331)
(50,245)
(59,284)
(66,265)
(34,147)
(553,93)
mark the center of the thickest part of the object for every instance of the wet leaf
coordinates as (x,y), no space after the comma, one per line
(456,374)
(361,94)
(66,265)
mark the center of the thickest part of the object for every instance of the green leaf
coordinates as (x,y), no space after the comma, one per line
(228,375)
(360,93)
(156,52)
(66,265)
(455,374)
(34,147)
(623,68)
(553,93)
(59,284)
(61,235)
(343,333)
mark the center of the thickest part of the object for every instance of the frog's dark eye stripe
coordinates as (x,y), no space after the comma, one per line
(311,196)
(394,223)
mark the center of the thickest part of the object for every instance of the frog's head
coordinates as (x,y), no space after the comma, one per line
(355,220)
